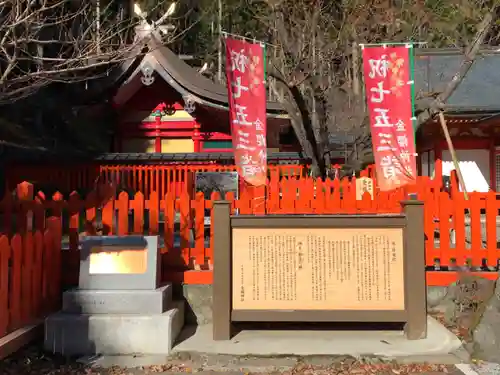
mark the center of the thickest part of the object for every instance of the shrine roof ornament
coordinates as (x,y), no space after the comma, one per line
(147,78)
(189,104)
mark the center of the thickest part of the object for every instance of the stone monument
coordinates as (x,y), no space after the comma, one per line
(119,306)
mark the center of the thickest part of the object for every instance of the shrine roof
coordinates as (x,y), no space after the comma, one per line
(478,92)
(191,158)
(201,157)
(182,77)
(434,68)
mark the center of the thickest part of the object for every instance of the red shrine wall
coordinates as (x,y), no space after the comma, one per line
(154,120)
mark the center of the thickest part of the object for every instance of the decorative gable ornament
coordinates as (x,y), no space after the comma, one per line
(147,74)
(189,104)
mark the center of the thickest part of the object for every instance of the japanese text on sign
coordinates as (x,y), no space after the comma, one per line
(318,269)
(388,88)
(247,102)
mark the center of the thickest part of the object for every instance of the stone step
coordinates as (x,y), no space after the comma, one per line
(113,334)
(78,301)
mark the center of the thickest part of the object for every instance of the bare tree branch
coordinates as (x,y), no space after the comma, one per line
(317,51)
(46,41)
(299,116)
(471,52)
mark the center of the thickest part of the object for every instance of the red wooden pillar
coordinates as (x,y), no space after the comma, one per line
(158,144)
(196,137)
(158,138)
(438,164)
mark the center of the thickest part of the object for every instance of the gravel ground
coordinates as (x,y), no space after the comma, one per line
(486,368)
(33,361)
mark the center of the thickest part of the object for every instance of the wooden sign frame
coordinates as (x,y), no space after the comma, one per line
(411,222)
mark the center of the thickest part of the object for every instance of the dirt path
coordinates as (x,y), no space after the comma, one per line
(32,361)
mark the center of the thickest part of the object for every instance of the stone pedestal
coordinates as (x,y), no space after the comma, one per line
(114,334)
(96,318)
(115,322)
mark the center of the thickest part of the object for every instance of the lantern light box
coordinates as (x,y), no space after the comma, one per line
(119,262)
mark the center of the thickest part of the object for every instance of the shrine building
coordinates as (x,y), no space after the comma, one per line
(472,114)
(167,106)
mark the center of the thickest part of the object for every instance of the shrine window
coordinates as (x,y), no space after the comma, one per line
(217,146)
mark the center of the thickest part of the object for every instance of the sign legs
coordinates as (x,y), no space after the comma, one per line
(222,298)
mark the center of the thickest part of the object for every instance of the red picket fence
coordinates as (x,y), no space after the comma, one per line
(30,262)
(33,230)
(30,286)
(468,230)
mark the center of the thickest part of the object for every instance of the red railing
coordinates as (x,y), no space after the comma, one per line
(161,178)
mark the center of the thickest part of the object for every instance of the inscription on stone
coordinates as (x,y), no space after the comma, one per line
(94,302)
(318,269)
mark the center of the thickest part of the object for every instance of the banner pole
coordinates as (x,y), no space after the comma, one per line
(412,83)
(264,60)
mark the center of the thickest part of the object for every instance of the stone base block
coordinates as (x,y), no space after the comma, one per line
(79,301)
(84,334)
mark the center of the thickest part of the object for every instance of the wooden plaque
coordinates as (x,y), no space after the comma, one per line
(363,185)
(317,269)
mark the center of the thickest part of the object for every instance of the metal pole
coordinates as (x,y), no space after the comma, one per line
(314,114)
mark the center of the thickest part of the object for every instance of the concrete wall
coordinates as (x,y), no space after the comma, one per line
(199,301)
(173,146)
(139,145)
